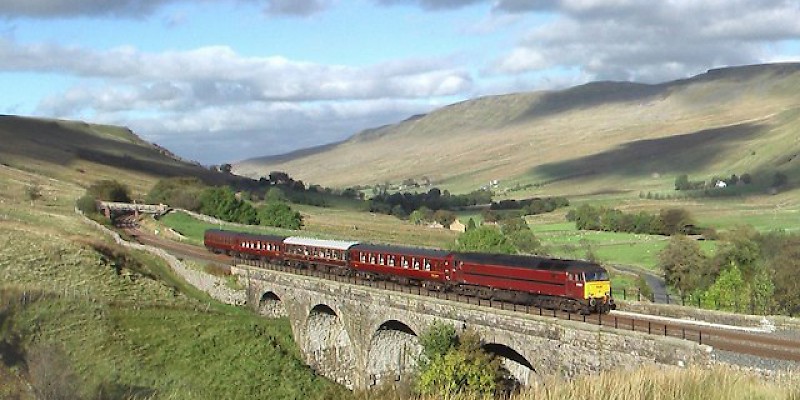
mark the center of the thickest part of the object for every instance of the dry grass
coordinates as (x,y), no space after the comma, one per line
(653,383)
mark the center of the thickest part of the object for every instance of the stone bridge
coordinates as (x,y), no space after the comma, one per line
(360,336)
(108,207)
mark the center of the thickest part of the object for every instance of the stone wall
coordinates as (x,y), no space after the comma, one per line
(779,322)
(215,286)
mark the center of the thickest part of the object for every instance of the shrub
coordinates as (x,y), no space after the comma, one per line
(86,204)
(109,190)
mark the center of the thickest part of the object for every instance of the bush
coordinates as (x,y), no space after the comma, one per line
(109,190)
(86,204)
(484,239)
(452,365)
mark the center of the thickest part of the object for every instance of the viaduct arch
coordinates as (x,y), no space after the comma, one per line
(360,336)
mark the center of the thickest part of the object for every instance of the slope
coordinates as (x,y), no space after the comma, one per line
(730,120)
(83,153)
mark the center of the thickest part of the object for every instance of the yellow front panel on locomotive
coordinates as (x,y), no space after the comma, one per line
(596,289)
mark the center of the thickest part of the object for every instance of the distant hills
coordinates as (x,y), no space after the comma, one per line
(592,137)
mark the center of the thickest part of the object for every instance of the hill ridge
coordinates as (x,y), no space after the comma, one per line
(508,136)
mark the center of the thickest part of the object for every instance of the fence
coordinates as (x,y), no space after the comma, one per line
(751,307)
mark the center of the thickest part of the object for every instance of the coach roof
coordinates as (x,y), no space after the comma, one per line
(328,244)
(402,250)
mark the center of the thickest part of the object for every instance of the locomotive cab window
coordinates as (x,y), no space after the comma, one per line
(596,276)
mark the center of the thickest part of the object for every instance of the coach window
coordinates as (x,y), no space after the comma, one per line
(362,257)
(372,258)
(405,262)
(391,261)
(380,259)
(415,262)
(427,264)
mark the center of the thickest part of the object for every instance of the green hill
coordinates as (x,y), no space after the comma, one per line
(627,136)
(84,153)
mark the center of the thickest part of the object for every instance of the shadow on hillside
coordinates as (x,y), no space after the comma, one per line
(591,95)
(674,154)
(62,144)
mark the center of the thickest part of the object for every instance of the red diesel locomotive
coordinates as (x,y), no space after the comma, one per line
(571,285)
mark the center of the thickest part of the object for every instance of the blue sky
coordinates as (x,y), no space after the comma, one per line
(224,80)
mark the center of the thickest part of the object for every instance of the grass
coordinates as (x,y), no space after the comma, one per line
(117,322)
(666,384)
(173,352)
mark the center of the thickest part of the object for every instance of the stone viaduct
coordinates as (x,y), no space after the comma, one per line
(360,336)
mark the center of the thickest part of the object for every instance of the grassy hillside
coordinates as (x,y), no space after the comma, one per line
(83,318)
(84,153)
(581,140)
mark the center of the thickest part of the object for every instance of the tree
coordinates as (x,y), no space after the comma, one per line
(279,177)
(762,290)
(177,192)
(279,215)
(511,225)
(484,239)
(275,195)
(444,217)
(676,221)
(729,291)
(450,366)
(33,192)
(682,182)
(684,264)
(109,190)
(785,263)
(222,203)
(779,179)
(741,248)
(471,224)
(525,241)
(225,168)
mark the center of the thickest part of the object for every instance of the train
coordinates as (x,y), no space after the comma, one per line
(569,285)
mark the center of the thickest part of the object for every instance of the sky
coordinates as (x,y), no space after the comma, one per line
(219,81)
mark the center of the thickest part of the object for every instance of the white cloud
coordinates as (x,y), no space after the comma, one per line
(51,9)
(229,104)
(649,41)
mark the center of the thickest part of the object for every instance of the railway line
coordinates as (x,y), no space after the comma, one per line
(757,344)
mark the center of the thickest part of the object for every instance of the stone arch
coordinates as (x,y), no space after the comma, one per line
(328,347)
(270,305)
(520,368)
(394,349)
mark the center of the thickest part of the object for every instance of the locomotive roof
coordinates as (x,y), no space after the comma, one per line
(412,251)
(531,262)
(330,244)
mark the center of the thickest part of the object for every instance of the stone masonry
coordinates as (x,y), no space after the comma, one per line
(359,336)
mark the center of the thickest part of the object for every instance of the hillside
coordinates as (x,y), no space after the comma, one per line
(580,140)
(82,153)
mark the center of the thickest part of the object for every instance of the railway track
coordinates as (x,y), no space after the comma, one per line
(756,344)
